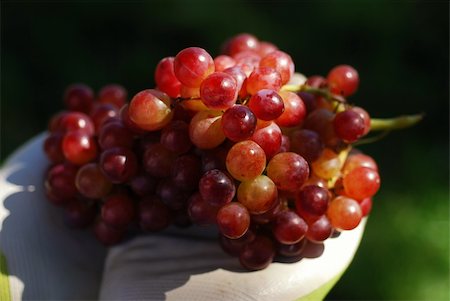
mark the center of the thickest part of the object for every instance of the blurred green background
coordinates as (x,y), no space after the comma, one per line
(400,48)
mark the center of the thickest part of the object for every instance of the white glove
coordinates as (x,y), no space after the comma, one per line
(46,260)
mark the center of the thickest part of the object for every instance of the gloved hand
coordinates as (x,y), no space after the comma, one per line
(46,260)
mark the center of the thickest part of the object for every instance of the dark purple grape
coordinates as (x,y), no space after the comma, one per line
(53,148)
(91,182)
(171,195)
(102,113)
(307,144)
(200,211)
(292,250)
(175,137)
(118,210)
(153,214)
(107,234)
(235,246)
(266,104)
(186,172)
(319,230)
(214,159)
(313,199)
(119,164)
(257,254)
(143,184)
(238,123)
(79,214)
(349,125)
(158,160)
(289,228)
(233,220)
(216,187)
(60,183)
(79,97)
(115,134)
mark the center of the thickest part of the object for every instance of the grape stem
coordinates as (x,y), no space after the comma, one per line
(376,124)
(396,123)
(316,91)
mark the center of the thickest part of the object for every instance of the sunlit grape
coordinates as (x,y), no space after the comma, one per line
(258,195)
(288,171)
(246,160)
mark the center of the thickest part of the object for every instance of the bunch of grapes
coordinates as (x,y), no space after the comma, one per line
(240,141)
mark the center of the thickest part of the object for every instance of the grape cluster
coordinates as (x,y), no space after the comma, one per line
(240,141)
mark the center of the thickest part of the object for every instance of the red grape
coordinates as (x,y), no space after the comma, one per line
(359,160)
(280,61)
(223,62)
(348,125)
(239,75)
(165,77)
(263,78)
(205,129)
(365,116)
(143,184)
(216,187)
(257,254)
(158,160)
(258,195)
(118,164)
(361,183)
(53,148)
(235,246)
(113,94)
(242,42)
(79,148)
(75,121)
(319,230)
(79,214)
(366,206)
(103,113)
(150,111)
(288,171)
(60,183)
(175,137)
(107,234)
(219,91)
(79,97)
(294,110)
(233,220)
(186,172)
(306,143)
(344,213)
(115,134)
(265,48)
(200,211)
(238,123)
(118,211)
(289,228)
(153,214)
(91,182)
(343,80)
(266,104)
(269,138)
(192,65)
(174,197)
(313,199)
(246,160)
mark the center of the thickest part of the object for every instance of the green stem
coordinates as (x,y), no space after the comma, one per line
(316,91)
(397,123)
(371,139)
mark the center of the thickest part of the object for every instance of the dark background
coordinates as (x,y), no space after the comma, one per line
(400,48)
